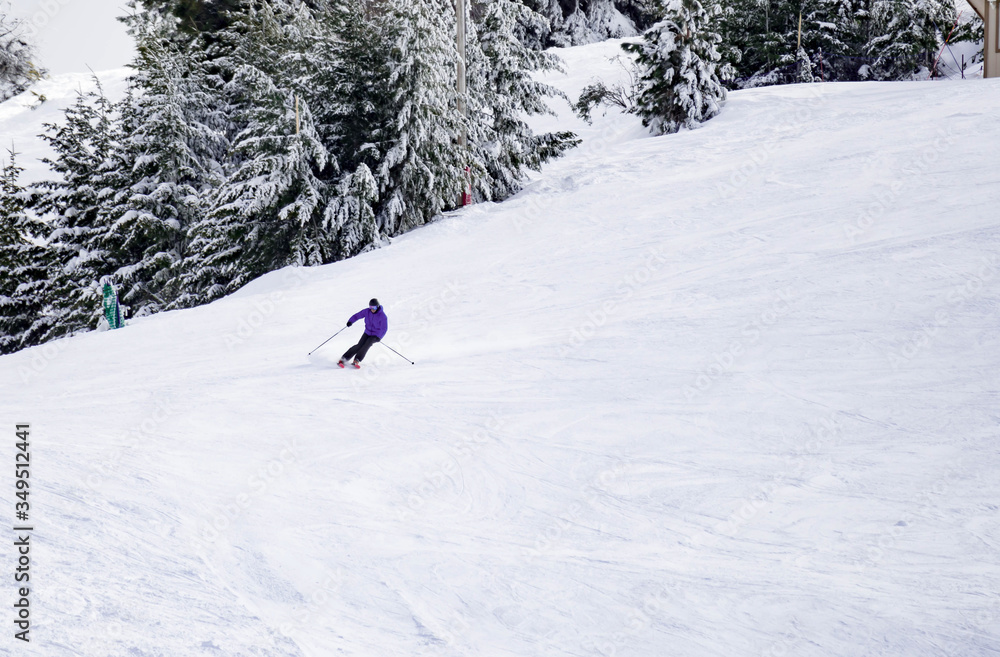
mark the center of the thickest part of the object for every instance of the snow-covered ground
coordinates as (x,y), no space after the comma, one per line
(75,35)
(77,42)
(727,392)
(22,118)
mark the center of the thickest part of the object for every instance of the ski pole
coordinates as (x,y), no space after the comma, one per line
(325,341)
(397,353)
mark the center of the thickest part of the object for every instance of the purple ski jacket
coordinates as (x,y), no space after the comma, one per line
(376,323)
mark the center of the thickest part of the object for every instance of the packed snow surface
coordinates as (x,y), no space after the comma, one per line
(727,392)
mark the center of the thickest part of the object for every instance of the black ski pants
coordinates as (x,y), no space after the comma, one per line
(361,348)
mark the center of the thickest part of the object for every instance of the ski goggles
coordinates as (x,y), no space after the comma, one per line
(372,308)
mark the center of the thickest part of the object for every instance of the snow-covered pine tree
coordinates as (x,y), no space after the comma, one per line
(843,39)
(606,21)
(358,124)
(76,205)
(17,70)
(971,29)
(906,36)
(575,28)
(641,14)
(502,91)
(352,102)
(199,16)
(744,26)
(23,266)
(342,70)
(758,39)
(166,158)
(679,63)
(423,169)
(534,35)
(577,22)
(552,33)
(270,210)
(350,216)
(832,35)
(804,65)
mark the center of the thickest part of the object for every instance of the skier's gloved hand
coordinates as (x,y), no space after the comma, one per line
(349,323)
(377,339)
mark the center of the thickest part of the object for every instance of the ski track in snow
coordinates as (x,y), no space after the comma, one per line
(727,392)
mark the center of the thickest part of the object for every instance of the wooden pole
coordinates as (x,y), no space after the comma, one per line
(799,46)
(460,43)
(296,114)
(463,139)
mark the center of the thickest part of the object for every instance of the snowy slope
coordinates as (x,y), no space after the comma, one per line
(728,392)
(72,35)
(76,42)
(23,118)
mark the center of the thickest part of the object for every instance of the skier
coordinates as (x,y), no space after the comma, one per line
(376,324)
